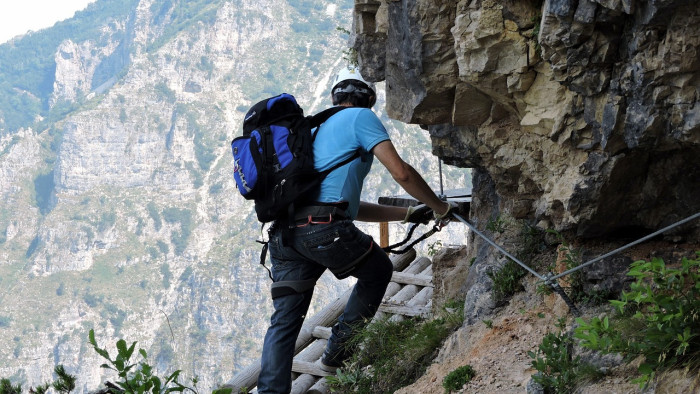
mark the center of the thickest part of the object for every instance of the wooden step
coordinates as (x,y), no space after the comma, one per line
(406,310)
(412,279)
(305,367)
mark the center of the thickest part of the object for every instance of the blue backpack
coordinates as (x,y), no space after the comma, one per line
(273,159)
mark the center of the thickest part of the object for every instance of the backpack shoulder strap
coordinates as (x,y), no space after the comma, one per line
(342,163)
(319,118)
(316,121)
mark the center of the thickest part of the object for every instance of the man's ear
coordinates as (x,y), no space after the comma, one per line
(372,101)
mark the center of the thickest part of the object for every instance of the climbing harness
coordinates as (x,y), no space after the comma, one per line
(550,279)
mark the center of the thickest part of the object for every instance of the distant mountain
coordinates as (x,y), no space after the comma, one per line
(119,212)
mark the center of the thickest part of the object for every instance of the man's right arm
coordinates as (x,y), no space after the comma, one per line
(406,176)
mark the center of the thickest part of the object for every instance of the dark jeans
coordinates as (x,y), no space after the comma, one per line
(309,251)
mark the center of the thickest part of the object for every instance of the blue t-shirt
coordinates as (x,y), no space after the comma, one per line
(349,131)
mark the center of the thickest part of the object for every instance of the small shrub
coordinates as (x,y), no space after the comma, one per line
(6,387)
(434,247)
(659,319)
(558,370)
(458,378)
(496,225)
(388,355)
(65,383)
(506,281)
(138,377)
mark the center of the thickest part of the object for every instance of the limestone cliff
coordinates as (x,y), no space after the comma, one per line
(577,116)
(584,114)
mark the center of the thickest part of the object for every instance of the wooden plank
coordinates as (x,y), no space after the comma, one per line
(321,387)
(384,234)
(314,351)
(305,367)
(412,279)
(303,383)
(422,298)
(405,310)
(402,261)
(322,332)
(417,266)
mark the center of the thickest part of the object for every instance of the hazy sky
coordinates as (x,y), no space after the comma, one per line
(19,16)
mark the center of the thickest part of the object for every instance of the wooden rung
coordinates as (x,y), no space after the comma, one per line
(405,310)
(321,387)
(412,279)
(322,332)
(299,366)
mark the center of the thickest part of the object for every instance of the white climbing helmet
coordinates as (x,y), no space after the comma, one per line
(352,73)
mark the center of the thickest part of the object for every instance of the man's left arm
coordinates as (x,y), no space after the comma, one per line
(406,176)
(370,212)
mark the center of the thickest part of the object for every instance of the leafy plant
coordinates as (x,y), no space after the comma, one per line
(558,370)
(458,378)
(434,247)
(349,54)
(574,281)
(388,355)
(6,387)
(496,225)
(138,377)
(660,318)
(532,241)
(506,281)
(65,383)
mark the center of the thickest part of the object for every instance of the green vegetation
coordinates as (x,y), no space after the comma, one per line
(506,281)
(107,221)
(165,93)
(43,189)
(573,284)
(33,246)
(26,85)
(155,215)
(184,218)
(349,54)
(558,370)
(179,15)
(496,225)
(138,377)
(458,378)
(434,247)
(659,319)
(64,383)
(167,275)
(388,355)
(6,387)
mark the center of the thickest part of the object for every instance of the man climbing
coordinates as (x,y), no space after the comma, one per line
(324,236)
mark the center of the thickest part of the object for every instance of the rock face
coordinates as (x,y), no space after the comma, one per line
(583,113)
(579,116)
